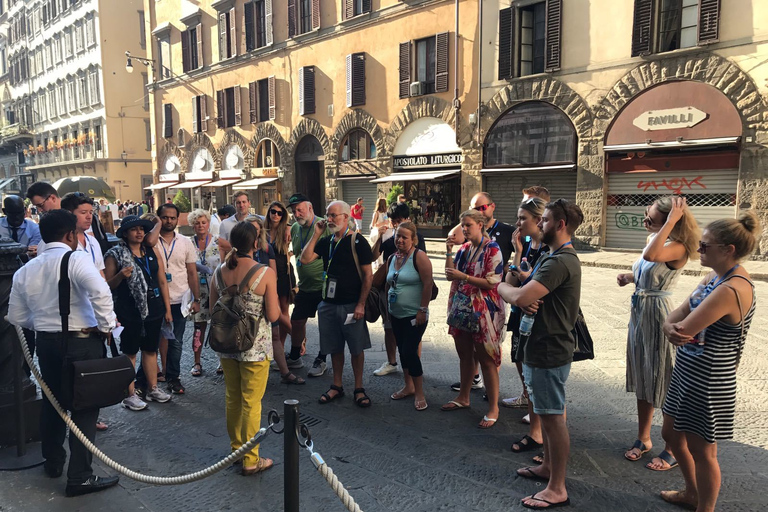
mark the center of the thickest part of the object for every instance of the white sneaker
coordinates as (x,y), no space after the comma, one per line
(134,403)
(385,369)
(318,368)
(518,401)
(157,395)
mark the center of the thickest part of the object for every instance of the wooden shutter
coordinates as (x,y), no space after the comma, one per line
(642,25)
(348,9)
(199,34)
(307,90)
(291,18)
(506,42)
(223,39)
(232,33)
(315,14)
(272,98)
(195,113)
(709,21)
(405,69)
(366,6)
(203,113)
(441,62)
(185,56)
(268,22)
(238,106)
(167,120)
(355,79)
(250,25)
(253,102)
(553,36)
(221,108)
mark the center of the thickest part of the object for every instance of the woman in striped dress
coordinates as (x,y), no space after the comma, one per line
(673,241)
(709,330)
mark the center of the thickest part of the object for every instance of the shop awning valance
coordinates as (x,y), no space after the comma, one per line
(192,184)
(675,144)
(161,185)
(416,176)
(539,168)
(223,182)
(254,183)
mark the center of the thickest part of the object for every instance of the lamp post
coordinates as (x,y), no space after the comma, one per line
(129,63)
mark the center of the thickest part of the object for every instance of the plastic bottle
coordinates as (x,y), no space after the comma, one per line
(695,347)
(197,341)
(526,325)
(525,266)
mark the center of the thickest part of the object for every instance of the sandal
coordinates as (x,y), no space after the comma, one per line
(538,459)
(290,378)
(667,459)
(397,395)
(263,465)
(491,422)
(549,504)
(197,370)
(639,445)
(526,444)
(453,405)
(219,370)
(363,401)
(101,426)
(325,398)
(420,405)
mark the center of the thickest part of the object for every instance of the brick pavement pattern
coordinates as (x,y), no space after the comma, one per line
(391,457)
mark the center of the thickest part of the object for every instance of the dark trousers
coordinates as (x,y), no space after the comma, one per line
(52,427)
(173,359)
(408,339)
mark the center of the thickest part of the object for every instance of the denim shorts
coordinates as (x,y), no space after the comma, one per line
(546,388)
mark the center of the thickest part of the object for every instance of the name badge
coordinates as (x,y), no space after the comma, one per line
(168,277)
(156,293)
(331,293)
(203,280)
(392,298)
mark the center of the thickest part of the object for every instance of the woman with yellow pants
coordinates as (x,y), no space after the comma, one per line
(245,373)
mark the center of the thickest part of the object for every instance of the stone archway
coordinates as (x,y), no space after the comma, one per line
(201,140)
(233,137)
(270,131)
(312,127)
(168,149)
(359,118)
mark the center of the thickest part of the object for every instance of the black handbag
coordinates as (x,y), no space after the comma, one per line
(92,383)
(585,348)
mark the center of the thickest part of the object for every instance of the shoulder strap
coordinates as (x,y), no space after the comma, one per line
(415,267)
(258,279)
(738,298)
(219,277)
(354,256)
(64,298)
(248,276)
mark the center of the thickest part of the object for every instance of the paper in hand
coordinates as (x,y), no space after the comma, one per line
(350,319)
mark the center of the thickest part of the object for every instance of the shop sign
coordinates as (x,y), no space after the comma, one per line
(438,160)
(668,119)
(265,172)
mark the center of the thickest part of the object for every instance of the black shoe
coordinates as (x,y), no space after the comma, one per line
(52,469)
(140,392)
(175,387)
(93,484)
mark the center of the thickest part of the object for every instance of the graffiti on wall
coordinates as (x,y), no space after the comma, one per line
(630,221)
(674,185)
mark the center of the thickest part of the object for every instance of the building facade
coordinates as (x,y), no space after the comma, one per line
(72,110)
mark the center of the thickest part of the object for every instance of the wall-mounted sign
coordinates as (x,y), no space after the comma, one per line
(426,161)
(668,119)
(264,172)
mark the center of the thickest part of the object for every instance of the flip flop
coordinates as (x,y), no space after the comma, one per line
(420,405)
(549,503)
(399,396)
(639,445)
(486,419)
(665,456)
(530,475)
(453,405)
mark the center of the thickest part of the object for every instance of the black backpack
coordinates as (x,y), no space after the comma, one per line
(233,329)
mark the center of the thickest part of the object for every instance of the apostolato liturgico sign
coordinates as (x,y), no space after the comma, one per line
(438,160)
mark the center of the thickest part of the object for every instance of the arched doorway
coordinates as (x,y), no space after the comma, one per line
(310,171)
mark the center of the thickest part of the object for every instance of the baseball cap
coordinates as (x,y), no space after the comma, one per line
(296,199)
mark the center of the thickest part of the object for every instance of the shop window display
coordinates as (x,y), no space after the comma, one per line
(433,204)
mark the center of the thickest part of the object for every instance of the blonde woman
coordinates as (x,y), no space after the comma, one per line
(673,240)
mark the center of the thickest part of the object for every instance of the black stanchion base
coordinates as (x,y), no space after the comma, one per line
(10,461)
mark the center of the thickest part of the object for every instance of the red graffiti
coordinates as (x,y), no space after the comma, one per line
(675,185)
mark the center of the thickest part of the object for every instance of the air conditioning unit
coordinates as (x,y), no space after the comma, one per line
(418,88)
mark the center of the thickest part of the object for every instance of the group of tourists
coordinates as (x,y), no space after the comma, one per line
(523,278)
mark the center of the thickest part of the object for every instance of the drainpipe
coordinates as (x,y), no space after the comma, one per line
(479,67)
(456,102)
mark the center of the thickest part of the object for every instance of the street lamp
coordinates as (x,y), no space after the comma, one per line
(129,64)
(280,173)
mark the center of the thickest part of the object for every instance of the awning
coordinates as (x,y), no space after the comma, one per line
(191,184)
(565,167)
(415,176)
(223,183)
(356,177)
(4,183)
(161,186)
(675,144)
(254,183)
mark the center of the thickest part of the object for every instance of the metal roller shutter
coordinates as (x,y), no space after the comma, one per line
(711,195)
(352,189)
(506,189)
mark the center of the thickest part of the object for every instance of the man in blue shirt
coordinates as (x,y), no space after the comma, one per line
(15,226)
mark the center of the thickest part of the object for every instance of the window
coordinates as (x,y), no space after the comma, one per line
(267,155)
(261,99)
(167,120)
(357,145)
(82,86)
(145,83)
(97,137)
(303,16)
(427,71)
(199,114)
(667,25)
(532,24)
(57,49)
(93,87)
(355,79)
(306,90)
(142,31)
(78,36)
(192,48)
(148,134)
(67,37)
(354,8)
(677,24)
(90,31)
(530,39)
(227,31)
(258,24)
(62,98)
(228,107)
(72,94)
(164,55)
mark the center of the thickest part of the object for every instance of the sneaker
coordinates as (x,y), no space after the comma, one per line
(477,383)
(134,403)
(518,401)
(318,368)
(385,369)
(295,364)
(140,392)
(175,387)
(157,395)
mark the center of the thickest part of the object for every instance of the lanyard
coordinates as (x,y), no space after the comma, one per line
(332,247)
(197,245)
(718,283)
(471,257)
(144,262)
(494,226)
(538,264)
(173,246)
(303,241)
(85,248)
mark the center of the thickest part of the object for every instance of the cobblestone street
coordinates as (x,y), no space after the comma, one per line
(392,458)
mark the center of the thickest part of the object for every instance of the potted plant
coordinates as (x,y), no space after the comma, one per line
(182,203)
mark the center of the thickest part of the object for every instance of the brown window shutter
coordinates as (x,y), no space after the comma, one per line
(709,21)
(355,79)
(291,18)
(199,34)
(232,33)
(366,6)
(167,120)
(506,42)
(348,9)
(553,36)
(272,98)
(223,39)
(185,57)
(195,113)
(221,107)
(405,70)
(238,109)
(268,22)
(642,25)
(441,62)
(249,20)
(307,90)
(252,102)
(203,114)
(315,14)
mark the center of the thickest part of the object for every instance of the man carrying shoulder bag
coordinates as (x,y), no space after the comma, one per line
(34,304)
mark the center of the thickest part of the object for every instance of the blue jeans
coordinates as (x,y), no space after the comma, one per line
(173,360)
(546,388)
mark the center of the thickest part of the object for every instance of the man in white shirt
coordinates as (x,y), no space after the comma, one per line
(242,209)
(180,257)
(34,304)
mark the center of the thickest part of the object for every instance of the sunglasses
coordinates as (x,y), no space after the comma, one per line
(559,203)
(704,245)
(482,207)
(279,213)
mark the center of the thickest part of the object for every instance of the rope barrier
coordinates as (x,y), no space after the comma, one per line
(330,477)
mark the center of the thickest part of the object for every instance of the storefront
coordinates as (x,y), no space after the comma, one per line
(427,164)
(680,137)
(263,187)
(533,143)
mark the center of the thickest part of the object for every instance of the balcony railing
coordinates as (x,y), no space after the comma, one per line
(67,154)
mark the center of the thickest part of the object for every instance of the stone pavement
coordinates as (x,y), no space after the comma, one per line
(391,457)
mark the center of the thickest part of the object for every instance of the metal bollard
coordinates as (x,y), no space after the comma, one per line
(291,449)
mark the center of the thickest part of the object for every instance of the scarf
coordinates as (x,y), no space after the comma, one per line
(137,285)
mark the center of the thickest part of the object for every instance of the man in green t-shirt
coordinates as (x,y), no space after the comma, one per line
(551,292)
(310,292)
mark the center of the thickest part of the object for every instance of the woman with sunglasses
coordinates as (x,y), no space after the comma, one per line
(279,237)
(671,243)
(709,330)
(408,292)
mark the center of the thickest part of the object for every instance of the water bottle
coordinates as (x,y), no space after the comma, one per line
(526,325)
(525,266)
(197,341)
(695,347)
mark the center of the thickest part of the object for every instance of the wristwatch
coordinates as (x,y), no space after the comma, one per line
(196,300)
(424,310)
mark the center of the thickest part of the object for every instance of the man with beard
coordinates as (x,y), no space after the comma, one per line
(551,292)
(310,292)
(341,315)
(242,209)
